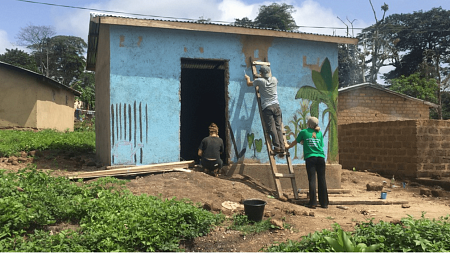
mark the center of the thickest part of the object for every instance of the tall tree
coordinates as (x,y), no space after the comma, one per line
(350,69)
(276,16)
(37,39)
(424,40)
(19,58)
(67,60)
(377,43)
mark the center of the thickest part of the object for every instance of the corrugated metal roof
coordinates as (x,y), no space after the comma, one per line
(213,23)
(380,87)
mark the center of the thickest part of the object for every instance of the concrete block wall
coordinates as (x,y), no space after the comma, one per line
(411,148)
(433,142)
(369,104)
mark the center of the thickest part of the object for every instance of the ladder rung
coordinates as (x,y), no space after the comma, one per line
(284,175)
(261,63)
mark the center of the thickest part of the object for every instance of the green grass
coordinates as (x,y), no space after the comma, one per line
(246,226)
(110,218)
(12,142)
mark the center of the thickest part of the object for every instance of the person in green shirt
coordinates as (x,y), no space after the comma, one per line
(312,140)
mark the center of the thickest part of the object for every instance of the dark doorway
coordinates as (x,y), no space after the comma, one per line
(203,89)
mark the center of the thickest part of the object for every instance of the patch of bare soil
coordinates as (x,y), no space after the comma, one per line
(222,194)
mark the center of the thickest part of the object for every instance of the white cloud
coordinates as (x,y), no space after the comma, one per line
(4,42)
(232,9)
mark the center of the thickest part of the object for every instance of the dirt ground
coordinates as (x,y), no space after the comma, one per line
(222,194)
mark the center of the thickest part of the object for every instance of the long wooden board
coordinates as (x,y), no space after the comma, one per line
(134,170)
(357,202)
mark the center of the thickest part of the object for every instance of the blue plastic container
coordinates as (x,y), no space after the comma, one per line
(383,195)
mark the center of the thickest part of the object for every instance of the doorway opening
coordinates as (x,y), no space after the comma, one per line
(203,101)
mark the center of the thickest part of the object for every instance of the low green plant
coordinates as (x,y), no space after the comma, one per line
(246,226)
(342,243)
(12,142)
(109,216)
(416,235)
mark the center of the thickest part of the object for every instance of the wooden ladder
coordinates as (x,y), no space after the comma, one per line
(276,175)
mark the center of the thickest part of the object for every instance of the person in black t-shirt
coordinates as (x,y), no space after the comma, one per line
(210,149)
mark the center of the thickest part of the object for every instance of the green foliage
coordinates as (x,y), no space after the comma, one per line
(85,126)
(350,71)
(422,37)
(416,86)
(243,22)
(86,85)
(414,235)
(14,141)
(110,217)
(246,226)
(343,243)
(19,58)
(276,16)
(66,59)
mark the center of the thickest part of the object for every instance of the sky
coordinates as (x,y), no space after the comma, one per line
(331,14)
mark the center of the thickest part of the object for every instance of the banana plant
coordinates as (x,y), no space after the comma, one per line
(342,243)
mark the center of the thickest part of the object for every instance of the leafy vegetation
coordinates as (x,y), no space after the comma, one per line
(415,235)
(274,16)
(246,226)
(110,218)
(14,141)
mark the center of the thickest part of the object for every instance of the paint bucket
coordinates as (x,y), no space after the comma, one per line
(383,195)
(254,209)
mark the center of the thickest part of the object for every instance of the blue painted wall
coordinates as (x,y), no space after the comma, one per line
(145,86)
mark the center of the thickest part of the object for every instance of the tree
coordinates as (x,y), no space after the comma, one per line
(86,85)
(416,85)
(19,58)
(37,39)
(350,70)
(424,40)
(375,40)
(66,58)
(274,16)
(244,22)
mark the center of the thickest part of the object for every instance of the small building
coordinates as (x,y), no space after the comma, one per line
(372,102)
(159,84)
(31,100)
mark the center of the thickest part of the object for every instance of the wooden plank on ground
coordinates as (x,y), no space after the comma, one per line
(134,170)
(357,202)
(330,191)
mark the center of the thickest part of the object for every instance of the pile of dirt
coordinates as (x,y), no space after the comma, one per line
(225,194)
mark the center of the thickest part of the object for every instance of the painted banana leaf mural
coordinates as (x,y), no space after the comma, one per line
(325,91)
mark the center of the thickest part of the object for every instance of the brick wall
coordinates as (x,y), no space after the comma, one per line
(433,142)
(369,104)
(411,148)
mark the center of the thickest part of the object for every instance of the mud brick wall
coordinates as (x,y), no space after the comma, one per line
(369,104)
(411,148)
(433,143)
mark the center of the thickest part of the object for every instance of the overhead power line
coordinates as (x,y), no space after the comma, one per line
(156,16)
(225,22)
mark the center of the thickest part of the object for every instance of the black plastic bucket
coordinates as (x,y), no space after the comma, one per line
(254,209)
